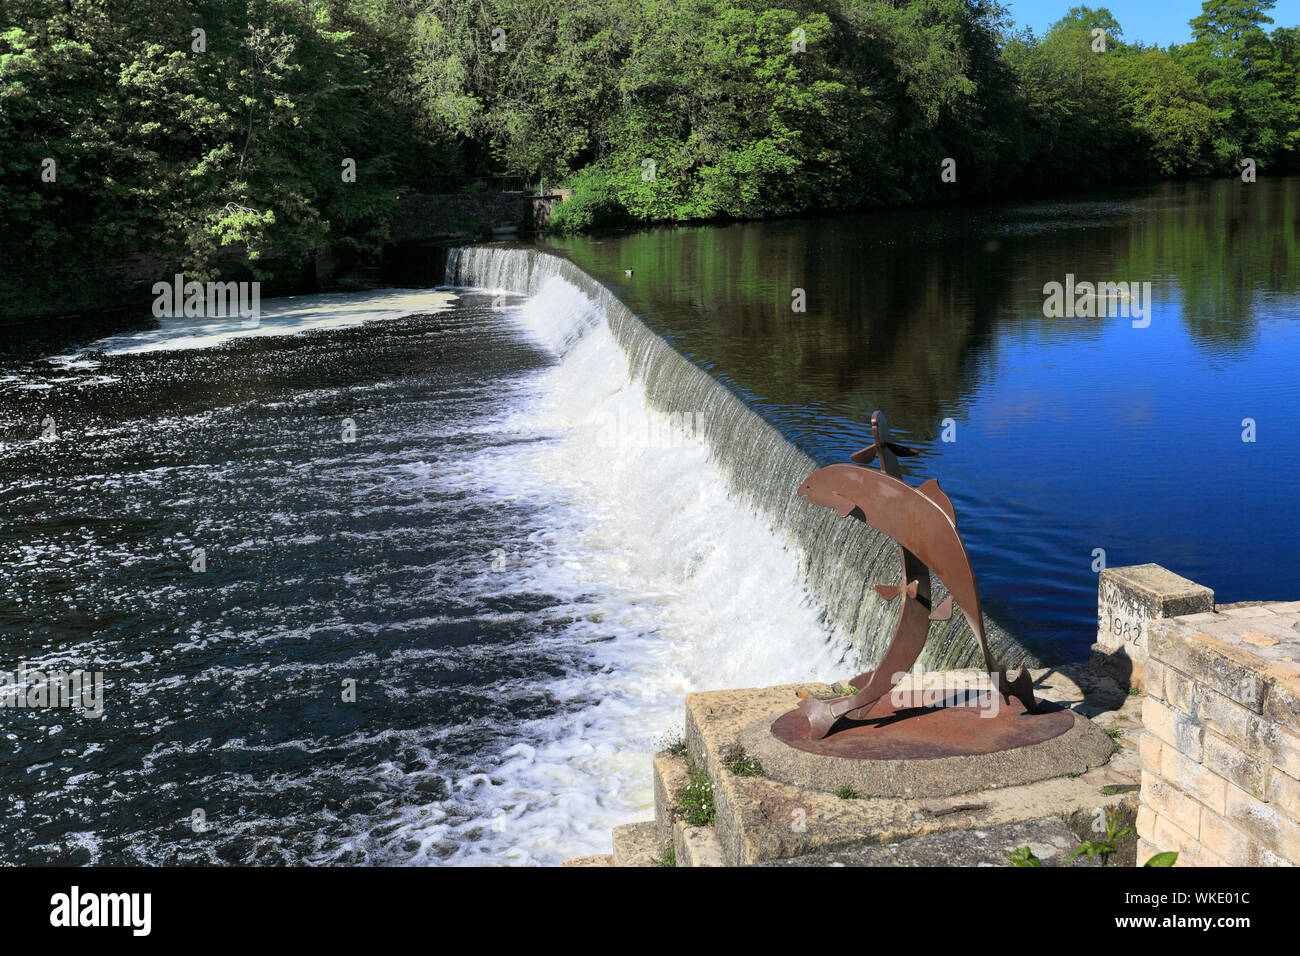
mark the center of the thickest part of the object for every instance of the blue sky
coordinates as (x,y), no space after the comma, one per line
(1151,21)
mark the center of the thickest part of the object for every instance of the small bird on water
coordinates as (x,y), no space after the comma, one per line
(628,273)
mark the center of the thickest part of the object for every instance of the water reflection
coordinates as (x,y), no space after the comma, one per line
(1072,434)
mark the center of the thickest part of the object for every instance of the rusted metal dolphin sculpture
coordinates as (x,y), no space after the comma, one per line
(923,523)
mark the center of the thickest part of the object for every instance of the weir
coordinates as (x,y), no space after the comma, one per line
(840,560)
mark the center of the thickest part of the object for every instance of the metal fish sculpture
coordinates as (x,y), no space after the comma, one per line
(924,524)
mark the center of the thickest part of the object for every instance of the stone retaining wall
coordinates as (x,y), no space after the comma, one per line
(430,216)
(1221,752)
(472,215)
(1128,600)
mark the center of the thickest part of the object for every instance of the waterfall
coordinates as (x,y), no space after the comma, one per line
(840,559)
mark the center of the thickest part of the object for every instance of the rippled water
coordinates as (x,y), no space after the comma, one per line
(522,605)
(1069,435)
(521,609)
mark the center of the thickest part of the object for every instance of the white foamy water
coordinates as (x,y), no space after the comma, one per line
(629,578)
(279,316)
(677,588)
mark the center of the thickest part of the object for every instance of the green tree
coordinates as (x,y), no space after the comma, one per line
(1163,102)
(210,149)
(1232,59)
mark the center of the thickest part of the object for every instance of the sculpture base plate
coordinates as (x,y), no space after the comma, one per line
(916,725)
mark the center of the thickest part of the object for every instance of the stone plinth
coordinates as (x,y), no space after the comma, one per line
(800,803)
(1128,600)
(1048,838)
(1221,752)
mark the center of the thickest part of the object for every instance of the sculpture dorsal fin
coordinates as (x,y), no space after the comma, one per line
(936,494)
(864,456)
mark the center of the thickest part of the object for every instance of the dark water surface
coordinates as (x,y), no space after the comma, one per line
(1071,434)
(521,605)
(326,561)
(521,608)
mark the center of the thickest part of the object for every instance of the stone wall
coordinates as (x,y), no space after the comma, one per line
(1221,749)
(466,215)
(472,215)
(544,206)
(1128,600)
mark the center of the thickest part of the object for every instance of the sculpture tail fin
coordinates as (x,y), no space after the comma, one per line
(1021,688)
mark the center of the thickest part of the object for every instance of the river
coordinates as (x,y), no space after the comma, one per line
(464,551)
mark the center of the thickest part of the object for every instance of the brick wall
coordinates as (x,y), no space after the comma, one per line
(1221,749)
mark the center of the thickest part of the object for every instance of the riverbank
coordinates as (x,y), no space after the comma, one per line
(1201,759)
(419,230)
(955,811)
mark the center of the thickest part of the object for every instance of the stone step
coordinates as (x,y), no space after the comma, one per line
(670,776)
(1050,840)
(762,818)
(599,859)
(697,846)
(637,844)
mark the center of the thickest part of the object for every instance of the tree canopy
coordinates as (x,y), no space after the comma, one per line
(197,128)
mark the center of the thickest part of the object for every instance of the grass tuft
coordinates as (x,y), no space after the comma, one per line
(741,763)
(695,798)
(673,746)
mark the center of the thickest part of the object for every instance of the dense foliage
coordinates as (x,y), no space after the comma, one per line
(748,109)
(162,140)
